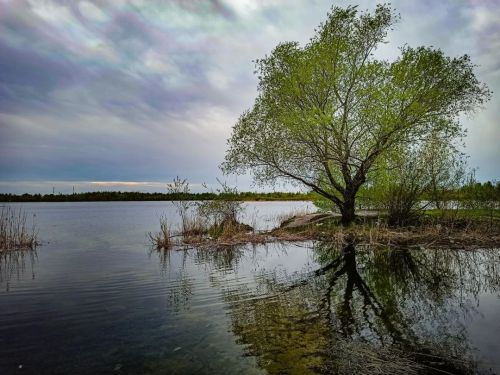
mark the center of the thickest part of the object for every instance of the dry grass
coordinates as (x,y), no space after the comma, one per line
(377,236)
(377,233)
(15,233)
(230,233)
(374,233)
(427,236)
(230,229)
(193,227)
(163,238)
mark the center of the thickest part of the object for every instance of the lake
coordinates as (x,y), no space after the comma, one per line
(96,299)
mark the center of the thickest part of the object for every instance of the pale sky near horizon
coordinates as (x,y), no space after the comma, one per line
(126,95)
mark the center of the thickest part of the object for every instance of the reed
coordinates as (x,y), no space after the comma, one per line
(163,238)
(15,231)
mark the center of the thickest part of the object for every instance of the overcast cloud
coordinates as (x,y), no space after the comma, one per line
(137,92)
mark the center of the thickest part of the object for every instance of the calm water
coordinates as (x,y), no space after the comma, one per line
(96,299)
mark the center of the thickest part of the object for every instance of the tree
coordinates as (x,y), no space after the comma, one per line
(415,177)
(327,112)
(446,170)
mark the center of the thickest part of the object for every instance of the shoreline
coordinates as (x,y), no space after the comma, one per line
(476,234)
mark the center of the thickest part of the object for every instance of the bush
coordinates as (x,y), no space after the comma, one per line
(221,214)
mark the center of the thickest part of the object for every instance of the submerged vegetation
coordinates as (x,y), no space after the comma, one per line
(16,233)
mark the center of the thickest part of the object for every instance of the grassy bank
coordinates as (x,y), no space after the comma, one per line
(480,213)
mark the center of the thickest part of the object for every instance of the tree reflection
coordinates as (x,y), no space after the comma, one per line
(392,306)
(14,264)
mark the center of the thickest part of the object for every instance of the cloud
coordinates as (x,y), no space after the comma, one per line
(147,90)
(91,11)
(66,187)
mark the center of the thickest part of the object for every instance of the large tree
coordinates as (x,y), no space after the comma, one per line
(326,113)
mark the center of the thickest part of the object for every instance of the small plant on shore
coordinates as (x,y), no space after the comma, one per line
(15,232)
(163,238)
(180,188)
(221,214)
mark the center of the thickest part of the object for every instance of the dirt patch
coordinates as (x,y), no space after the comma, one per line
(309,219)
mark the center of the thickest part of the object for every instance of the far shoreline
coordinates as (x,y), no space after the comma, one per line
(119,196)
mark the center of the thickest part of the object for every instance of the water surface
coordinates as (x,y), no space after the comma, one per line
(96,299)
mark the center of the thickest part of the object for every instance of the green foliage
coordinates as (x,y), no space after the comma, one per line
(432,167)
(475,195)
(465,213)
(328,113)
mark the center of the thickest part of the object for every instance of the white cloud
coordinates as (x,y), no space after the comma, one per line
(219,78)
(52,12)
(154,63)
(245,8)
(164,94)
(91,11)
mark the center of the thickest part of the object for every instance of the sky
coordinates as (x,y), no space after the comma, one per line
(126,95)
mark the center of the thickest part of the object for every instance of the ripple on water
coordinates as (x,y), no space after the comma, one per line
(95,299)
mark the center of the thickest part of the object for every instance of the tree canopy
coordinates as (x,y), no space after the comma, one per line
(327,113)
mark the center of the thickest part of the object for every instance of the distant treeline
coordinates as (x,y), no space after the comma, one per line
(487,191)
(138,196)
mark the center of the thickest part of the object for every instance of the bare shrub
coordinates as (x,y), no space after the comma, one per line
(221,214)
(190,224)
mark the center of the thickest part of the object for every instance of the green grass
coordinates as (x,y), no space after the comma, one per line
(465,213)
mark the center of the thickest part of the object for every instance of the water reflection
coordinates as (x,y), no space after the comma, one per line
(174,269)
(400,308)
(15,264)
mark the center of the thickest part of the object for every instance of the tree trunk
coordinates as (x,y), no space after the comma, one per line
(347,211)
